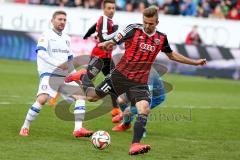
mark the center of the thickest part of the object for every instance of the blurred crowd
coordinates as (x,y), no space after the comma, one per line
(221,9)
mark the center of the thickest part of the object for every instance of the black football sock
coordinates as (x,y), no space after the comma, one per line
(86,82)
(139,127)
(114,101)
(127,119)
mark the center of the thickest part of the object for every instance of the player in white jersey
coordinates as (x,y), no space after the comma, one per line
(54,61)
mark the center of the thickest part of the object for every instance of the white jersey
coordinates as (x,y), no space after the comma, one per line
(53,50)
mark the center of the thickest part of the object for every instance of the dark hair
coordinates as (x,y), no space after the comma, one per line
(151,11)
(58,13)
(108,1)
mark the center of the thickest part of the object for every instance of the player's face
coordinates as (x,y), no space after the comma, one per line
(150,24)
(59,22)
(109,10)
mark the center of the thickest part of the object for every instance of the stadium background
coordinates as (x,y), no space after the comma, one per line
(208,107)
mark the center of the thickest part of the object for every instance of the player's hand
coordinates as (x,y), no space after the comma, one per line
(106,45)
(201,62)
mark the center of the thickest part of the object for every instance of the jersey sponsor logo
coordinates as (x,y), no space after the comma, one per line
(148,47)
(60,50)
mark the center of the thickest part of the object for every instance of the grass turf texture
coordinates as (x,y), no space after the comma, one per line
(199,120)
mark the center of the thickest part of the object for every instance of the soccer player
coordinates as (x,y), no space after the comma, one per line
(142,42)
(54,62)
(100,59)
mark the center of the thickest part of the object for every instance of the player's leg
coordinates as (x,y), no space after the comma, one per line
(86,84)
(95,65)
(140,96)
(126,122)
(44,93)
(79,115)
(72,93)
(107,67)
(32,113)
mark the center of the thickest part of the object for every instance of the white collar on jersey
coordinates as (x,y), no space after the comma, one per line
(106,17)
(150,35)
(58,33)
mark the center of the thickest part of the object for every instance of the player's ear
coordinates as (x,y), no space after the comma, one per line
(157,21)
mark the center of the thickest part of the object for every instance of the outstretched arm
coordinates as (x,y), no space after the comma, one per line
(182,59)
(107,44)
(90,31)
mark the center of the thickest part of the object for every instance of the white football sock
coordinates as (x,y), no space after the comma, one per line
(33,112)
(79,113)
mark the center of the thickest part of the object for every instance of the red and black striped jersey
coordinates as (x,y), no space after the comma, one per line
(141,50)
(105,31)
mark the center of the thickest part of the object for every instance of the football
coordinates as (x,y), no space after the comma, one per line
(100,139)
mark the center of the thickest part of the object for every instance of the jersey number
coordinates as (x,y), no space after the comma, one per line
(106,88)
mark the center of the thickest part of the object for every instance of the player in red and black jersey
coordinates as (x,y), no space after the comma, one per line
(142,42)
(100,59)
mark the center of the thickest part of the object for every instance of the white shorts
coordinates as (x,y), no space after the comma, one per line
(51,85)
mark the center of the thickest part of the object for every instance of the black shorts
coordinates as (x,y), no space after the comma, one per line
(117,84)
(97,65)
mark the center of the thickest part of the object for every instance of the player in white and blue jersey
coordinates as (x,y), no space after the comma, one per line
(54,62)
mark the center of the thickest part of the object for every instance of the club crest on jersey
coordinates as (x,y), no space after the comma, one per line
(44,87)
(68,43)
(157,41)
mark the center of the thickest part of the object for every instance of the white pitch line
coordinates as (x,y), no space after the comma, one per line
(10,96)
(8,103)
(202,107)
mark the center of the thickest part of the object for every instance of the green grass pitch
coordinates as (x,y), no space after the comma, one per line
(198,121)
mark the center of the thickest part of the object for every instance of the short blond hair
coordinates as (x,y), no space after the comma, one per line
(151,11)
(58,13)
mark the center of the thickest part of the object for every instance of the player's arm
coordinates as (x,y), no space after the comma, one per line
(172,55)
(182,59)
(103,35)
(119,38)
(90,31)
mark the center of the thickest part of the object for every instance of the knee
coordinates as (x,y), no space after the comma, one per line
(92,98)
(121,100)
(42,99)
(143,107)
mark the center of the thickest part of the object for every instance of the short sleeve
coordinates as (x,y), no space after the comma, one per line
(42,43)
(166,47)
